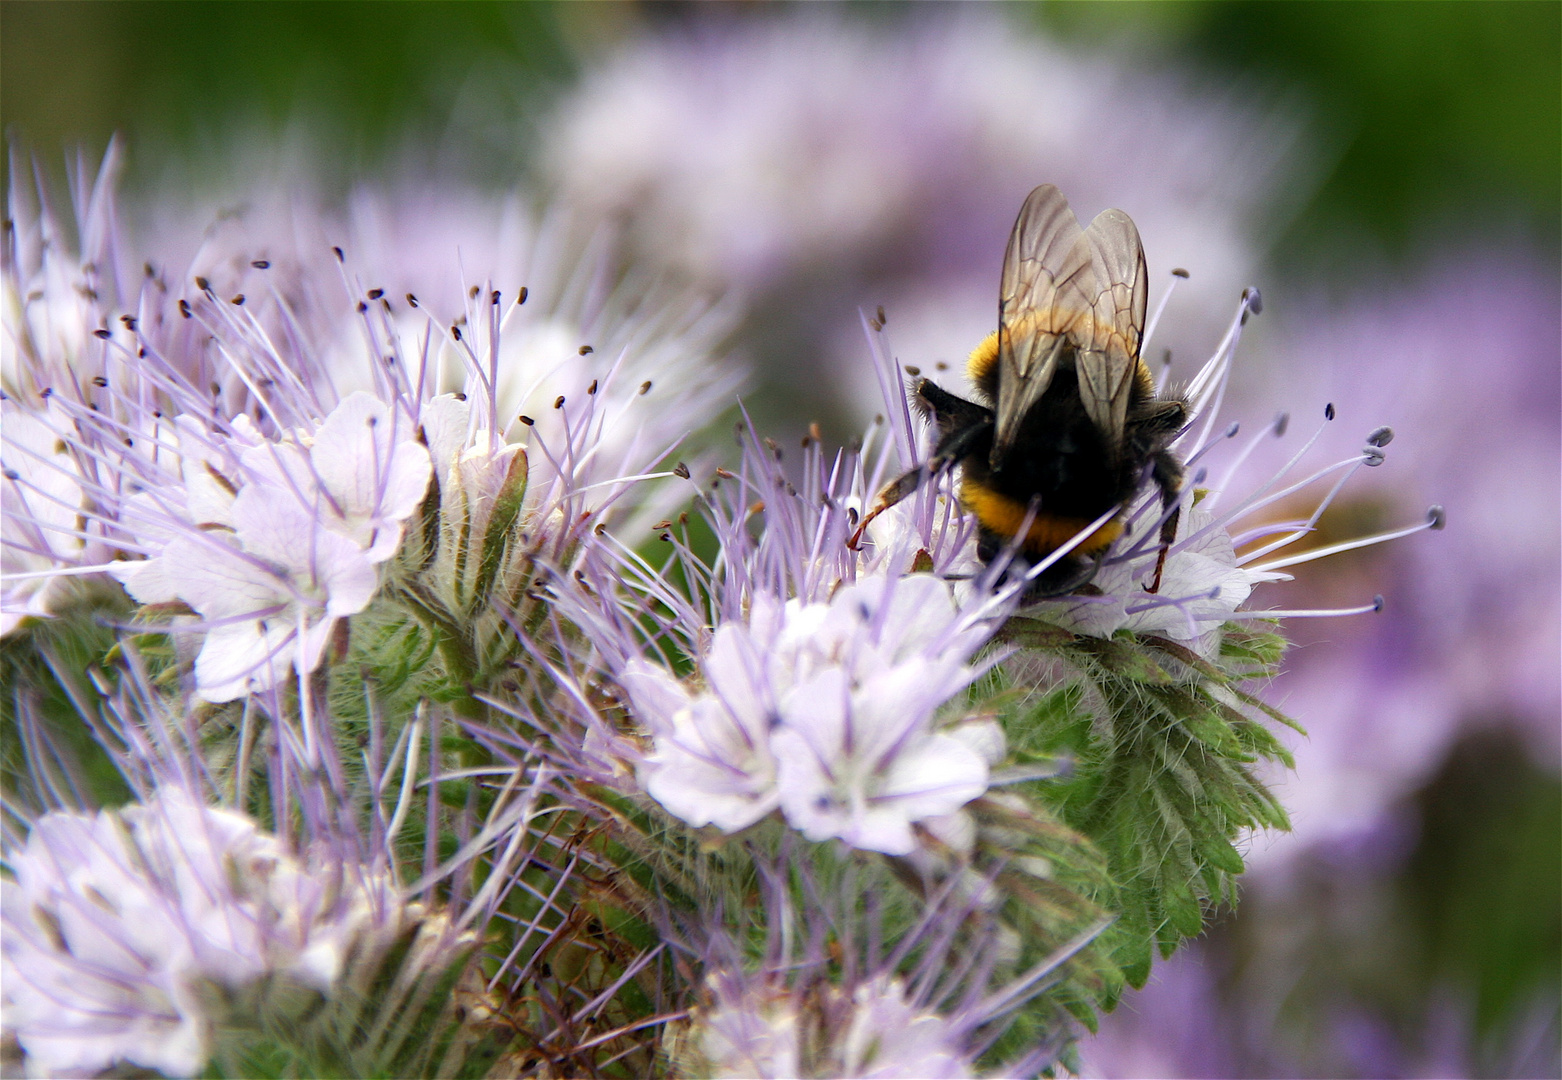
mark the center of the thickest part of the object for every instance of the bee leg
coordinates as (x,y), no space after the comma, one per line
(1167,474)
(890,494)
(961,424)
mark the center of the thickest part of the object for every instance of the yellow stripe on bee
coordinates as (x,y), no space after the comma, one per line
(1081,329)
(1004,516)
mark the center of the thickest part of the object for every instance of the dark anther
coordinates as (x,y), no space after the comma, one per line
(1377,603)
(261,264)
(681,471)
(149,271)
(412,301)
(883,318)
(456,332)
(12,474)
(473,291)
(1282,421)
(521,299)
(493,298)
(375,294)
(202,284)
(586,350)
(1436,516)
(558,402)
(592,389)
(129,321)
(362,307)
(184,308)
(645,388)
(338,253)
(1178,271)
(1328,411)
(910,370)
(98,380)
(237,299)
(1231,432)
(528,421)
(104,334)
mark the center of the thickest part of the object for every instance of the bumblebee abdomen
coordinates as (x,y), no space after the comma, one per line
(1003,515)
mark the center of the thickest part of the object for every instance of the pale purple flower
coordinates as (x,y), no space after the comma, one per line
(759,1033)
(751,1034)
(890,1037)
(274,552)
(269,598)
(114,922)
(361,468)
(833,995)
(252,438)
(476,295)
(711,763)
(40,513)
(825,709)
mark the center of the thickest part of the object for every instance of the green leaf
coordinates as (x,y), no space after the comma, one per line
(1164,745)
(1222,855)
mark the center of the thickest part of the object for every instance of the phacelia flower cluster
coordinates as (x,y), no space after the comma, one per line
(129,933)
(827,711)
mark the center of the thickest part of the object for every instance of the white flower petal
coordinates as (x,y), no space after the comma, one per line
(712,771)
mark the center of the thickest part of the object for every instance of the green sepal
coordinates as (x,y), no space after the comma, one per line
(501,523)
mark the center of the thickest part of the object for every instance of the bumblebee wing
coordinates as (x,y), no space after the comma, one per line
(1109,340)
(1048,292)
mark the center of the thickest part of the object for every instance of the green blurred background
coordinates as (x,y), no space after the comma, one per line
(1439,122)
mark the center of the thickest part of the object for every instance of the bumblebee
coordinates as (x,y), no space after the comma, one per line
(1067,426)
